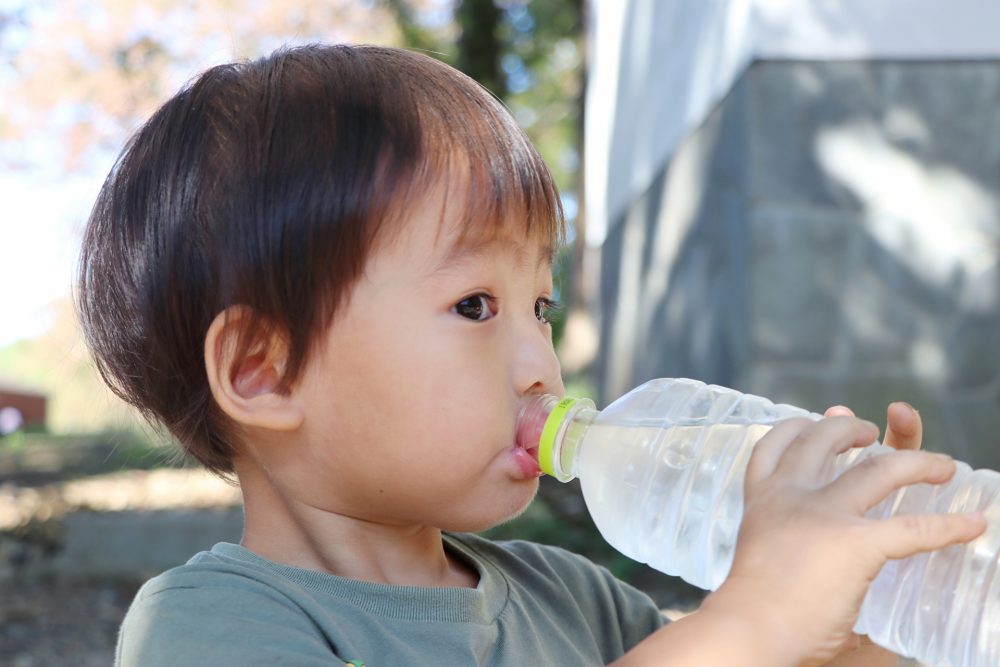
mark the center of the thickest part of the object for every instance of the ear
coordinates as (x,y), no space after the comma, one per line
(248,390)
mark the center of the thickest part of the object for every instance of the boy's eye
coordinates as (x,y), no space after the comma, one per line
(545,309)
(478,307)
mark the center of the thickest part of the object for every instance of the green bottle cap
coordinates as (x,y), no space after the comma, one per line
(550,430)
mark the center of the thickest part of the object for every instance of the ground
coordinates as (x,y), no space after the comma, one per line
(61,620)
(52,623)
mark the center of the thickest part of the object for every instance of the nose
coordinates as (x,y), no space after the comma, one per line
(535,364)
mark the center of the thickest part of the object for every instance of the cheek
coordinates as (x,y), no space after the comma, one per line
(441,357)
(426,379)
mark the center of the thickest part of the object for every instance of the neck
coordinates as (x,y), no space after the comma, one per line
(285,531)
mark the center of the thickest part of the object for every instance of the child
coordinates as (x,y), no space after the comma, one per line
(327,272)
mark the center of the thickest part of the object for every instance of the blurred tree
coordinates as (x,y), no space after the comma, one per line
(76,76)
(479,43)
(424,26)
(529,54)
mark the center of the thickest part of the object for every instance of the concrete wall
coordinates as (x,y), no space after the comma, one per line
(829,235)
(126,546)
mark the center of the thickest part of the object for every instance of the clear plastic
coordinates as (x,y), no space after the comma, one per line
(662,473)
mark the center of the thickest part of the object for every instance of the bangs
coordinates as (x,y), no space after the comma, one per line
(491,172)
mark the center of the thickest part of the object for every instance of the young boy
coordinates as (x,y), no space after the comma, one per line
(327,272)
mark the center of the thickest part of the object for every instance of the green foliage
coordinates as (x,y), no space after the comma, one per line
(415,34)
(480,43)
(40,458)
(542,61)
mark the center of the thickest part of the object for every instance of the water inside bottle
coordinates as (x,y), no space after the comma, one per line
(667,496)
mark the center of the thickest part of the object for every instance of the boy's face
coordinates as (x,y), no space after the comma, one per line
(412,399)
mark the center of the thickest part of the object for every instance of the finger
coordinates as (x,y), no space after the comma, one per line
(838,411)
(872,479)
(904,428)
(769,449)
(905,535)
(811,452)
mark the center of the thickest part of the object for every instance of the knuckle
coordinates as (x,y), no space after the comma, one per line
(872,464)
(921,526)
(901,465)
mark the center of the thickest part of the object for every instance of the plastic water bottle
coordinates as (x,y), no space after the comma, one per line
(662,471)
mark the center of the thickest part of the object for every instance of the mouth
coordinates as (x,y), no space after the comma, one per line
(526,459)
(531,451)
(525,450)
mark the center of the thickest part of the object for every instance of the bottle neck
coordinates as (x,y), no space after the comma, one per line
(566,446)
(553,429)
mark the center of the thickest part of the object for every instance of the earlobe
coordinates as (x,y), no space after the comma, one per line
(249,389)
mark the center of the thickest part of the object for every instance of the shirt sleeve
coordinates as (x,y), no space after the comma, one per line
(185,621)
(638,615)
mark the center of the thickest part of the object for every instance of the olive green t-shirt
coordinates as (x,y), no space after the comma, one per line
(534,605)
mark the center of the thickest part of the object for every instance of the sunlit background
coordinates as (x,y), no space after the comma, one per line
(799,200)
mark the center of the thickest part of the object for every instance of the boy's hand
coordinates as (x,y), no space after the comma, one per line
(806,553)
(904,430)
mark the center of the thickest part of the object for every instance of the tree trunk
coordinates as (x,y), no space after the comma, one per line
(479,47)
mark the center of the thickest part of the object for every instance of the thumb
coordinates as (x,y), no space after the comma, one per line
(904,428)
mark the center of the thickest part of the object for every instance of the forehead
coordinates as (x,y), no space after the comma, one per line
(445,226)
(529,254)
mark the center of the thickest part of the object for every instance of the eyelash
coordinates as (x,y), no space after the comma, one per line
(543,307)
(549,308)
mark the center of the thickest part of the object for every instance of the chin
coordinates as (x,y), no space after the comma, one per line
(501,510)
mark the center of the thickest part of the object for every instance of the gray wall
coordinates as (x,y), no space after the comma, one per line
(828,235)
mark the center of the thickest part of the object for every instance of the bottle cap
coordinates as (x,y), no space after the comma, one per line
(546,444)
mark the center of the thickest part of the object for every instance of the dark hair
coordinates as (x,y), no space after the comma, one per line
(266,184)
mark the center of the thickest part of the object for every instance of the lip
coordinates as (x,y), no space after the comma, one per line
(526,460)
